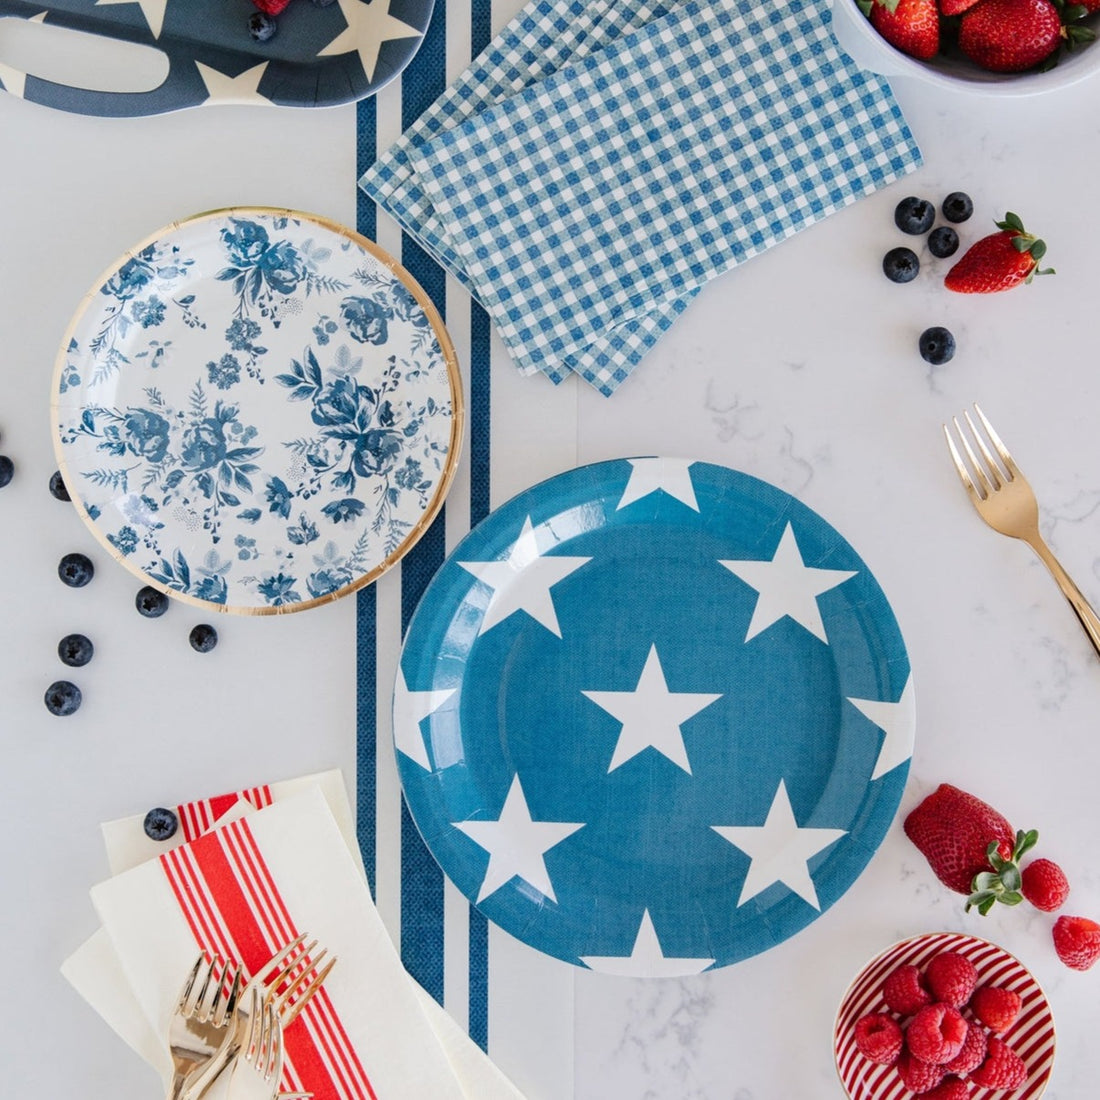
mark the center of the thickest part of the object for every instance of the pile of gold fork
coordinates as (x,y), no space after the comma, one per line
(226,1034)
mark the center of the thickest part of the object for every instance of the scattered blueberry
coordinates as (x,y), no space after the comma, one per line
(937,345)
(900,265)
(203,638)
(913,215)
(943,241)
(75,650)
(160,824)
(957,207)
(261,26)
(151,602)
(57,486)
(7,468)
(63,698)
(76,570)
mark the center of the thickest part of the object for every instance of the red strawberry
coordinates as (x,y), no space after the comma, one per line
(1002,1069)
(272,7)
(951,1089)
(905,990)
(996,1008)
(954,830)
(879,1038)
(913,26)
(1000,261)
(1077,941)
(917,1075)
(1044,884)
(952,978)
(1008,36)
(972,1054)
(936,1034)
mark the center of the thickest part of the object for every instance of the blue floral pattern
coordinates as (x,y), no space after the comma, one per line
(255,411)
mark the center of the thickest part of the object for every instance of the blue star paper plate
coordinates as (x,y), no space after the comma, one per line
(320,55)
(653,716)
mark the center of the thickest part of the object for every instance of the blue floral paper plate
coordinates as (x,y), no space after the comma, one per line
(257,410)
(653,716)
(321,55)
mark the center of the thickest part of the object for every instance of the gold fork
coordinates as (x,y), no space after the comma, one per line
(1005,500)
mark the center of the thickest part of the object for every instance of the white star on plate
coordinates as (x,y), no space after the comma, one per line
(779,850)
(651,715)
(516,844)
(646,960)
(896,721)
(368,26)
(522,581)
(648,475)
(14,81)
(410,708)
(153,10)
(786,587)
(242,88)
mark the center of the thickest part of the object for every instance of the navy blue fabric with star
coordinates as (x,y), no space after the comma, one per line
(698,714)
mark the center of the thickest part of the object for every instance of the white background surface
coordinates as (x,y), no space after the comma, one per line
(800,368)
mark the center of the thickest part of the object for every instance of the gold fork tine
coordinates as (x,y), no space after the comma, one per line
(1002,450)
(279,961)
(307,994)
(984,486)
(189,985)
(992,469)
(960,466)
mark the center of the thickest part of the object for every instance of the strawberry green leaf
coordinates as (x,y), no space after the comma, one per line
(1073,12)
(1012,221)
(1011,879)
(1011,898)
(865,6)
(1021,244)
(1038,250)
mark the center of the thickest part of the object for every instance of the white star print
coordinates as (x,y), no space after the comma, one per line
(516,844)
(651,715)
(896,720)
(648,475)
(410,708)
(369,24)
(522,581)
(786,587)
(646,960)
(13,80)
(242,88)
(779,850)
(153,10)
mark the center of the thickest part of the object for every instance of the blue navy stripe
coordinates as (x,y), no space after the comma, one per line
(366,627)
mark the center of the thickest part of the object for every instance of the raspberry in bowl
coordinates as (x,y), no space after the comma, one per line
(1000,1037)
(1015,47)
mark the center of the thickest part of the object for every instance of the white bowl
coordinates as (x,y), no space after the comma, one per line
(868,49)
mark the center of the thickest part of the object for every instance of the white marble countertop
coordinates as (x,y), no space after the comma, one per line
(800,368)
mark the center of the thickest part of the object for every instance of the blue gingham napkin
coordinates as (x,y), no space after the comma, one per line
(585,209)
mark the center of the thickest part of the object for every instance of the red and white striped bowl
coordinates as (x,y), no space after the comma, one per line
(1031,1036)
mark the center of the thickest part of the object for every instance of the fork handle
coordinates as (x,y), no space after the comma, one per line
(1086,616)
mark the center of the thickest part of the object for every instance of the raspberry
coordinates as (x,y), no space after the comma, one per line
(951,1089)
(936,1033)
(1044,884)
(972,1054)
(916,1075)
(879,1038)
(905,991)
(1077,941)
(952,978)
(271,7)
(1002,1069)
(996,1008)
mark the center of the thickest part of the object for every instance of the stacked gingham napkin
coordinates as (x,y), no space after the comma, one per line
(244,874)
(600,163)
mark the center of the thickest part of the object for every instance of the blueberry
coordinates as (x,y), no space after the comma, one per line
(63,698)
(76,570)
(900,265)
(957,207)
(160,824)
(937,345)
(261,26)
(57,486)
(7,468)
(203,638)
(913,215)
(943,241)
(75,650)
(151,602)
